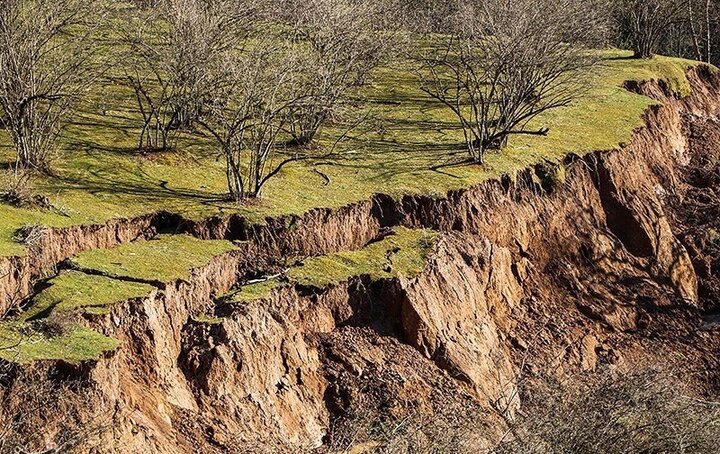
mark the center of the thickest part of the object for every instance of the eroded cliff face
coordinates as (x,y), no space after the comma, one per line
(527,276)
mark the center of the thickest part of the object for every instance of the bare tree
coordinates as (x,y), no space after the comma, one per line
(46,64)
(644,23)
(345,40)
(692,20)
(702,21)
(505,63)
(708,30)
(258,76)
(248,116)
(691,27)
(175,54)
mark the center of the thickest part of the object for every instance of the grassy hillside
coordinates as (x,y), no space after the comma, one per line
(409,144)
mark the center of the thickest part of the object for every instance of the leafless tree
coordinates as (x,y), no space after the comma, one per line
(505,63)
(47,62)
(258,76)
(175,52)
(248,116)
(702,21)
(710,9)
(345,40)
(691,27)
(644,23)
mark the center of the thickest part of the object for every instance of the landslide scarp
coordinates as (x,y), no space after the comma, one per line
(304,332)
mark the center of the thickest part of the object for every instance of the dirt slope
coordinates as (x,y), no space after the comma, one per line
(569,269)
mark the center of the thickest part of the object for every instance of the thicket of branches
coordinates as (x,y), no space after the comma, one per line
(649,411)
(47,50)
(38,403)
(174,62)
(344,41)
(687,28)
(248,116)
(503,63)
(699,38)
(262,78)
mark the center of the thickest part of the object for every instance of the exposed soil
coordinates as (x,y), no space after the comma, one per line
(526,281)
(697,211)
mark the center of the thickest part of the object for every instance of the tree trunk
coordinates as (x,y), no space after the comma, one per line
(234,177)
(693,31)
(709,32)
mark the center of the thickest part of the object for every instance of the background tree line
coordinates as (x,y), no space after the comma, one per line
(263,78)
(689,28)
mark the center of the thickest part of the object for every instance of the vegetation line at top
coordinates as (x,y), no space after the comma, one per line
(265,107)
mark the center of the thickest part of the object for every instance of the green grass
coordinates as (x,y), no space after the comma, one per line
(207,319)
(72,290)
(401,254)
(165,259)
(100,176)
(20,343)
(251,292)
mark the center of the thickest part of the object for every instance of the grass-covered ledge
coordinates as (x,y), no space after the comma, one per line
(27,342)
(160,260)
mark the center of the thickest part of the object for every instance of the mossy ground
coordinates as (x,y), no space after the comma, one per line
(410,144)
(22,343)
(251,292)
(401,253)
(73,290)
(163,259)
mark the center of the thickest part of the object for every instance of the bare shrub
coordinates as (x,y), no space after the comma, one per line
(367,426)
(649,411)
(46,64)
(646,411)
(175,52)
(248,116)
(31,235)
(505,63)
(41,413)
(345,40)
(18,191)
(17,187)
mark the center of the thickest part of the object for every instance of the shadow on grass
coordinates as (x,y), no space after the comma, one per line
(146,189)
